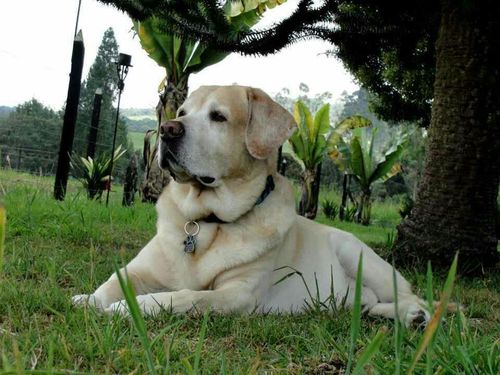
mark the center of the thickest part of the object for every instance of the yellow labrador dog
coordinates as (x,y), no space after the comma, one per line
(227,229)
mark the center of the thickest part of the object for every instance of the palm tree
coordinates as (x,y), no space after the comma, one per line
(309,144)
(368,161)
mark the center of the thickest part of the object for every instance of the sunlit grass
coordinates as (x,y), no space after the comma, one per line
(54,250)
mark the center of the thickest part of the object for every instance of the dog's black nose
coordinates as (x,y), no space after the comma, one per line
(171,130)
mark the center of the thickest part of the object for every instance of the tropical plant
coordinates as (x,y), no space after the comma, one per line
(330,209)
(95,174)
(181,57)
(309,143)
(367,160)
(312,139)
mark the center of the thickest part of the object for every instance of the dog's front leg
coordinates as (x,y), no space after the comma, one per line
(234,298)
(138,272)
(111,291)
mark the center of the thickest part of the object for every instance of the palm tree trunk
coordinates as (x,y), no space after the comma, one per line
(155,179)
(455,208)
(308,205)
(343,204)
(363,215)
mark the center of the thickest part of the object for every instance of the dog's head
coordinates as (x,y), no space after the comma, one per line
(220,132)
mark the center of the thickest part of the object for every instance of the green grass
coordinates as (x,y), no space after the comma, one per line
(56,249)
(137,139)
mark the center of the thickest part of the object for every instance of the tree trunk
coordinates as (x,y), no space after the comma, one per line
(363,215)
(155,179)
(343,203)
(308,205)
(455,208)
(130,183)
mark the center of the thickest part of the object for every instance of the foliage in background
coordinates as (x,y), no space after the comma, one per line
(3,227)
(102,74)
(29,138)
(330,209)
(368,161)
(406,206)
(313,138)
(94,174)
(309,143)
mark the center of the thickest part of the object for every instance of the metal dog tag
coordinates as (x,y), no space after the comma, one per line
(190,244)
(191,228)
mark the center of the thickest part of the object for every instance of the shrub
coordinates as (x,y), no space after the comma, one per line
(330,209)
(95,174)
(406,206)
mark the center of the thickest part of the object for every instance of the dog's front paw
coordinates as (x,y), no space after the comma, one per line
(86,300)
(118,308)
(147,306)
(416,317)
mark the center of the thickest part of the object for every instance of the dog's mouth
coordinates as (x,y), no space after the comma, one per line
(180,173)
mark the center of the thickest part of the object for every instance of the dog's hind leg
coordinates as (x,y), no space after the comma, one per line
(410,312)
(378,276)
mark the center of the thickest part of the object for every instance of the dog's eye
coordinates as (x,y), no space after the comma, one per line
(217,116)
(181,113)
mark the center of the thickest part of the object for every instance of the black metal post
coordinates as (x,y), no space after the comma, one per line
(122,66)
(94,126)
(111,164)
(70,115)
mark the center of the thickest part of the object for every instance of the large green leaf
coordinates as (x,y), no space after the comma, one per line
(302,116)
(304,120)
(158,46)
(349,123)
(289,149)
(341,156)
(184,57)
(322,121)
(319,151)
(384,167)
(357,161)
(321,127)
(201,58)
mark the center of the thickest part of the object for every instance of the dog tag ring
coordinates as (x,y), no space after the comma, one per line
(191,228)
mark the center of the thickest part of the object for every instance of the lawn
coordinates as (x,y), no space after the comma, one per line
(56,249)
(137,139)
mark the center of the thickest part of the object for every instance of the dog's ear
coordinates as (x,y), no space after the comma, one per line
(268,126)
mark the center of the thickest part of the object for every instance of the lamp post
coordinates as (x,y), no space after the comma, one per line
(122,66)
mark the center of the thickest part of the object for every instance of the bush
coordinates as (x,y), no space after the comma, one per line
(330,209)
(406,206)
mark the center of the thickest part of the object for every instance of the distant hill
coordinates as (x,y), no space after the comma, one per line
(4,110)
(139,119)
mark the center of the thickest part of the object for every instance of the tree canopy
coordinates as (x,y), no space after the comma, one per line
(387,46)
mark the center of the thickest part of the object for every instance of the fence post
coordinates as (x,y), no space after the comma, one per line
(94,126)
(70,114)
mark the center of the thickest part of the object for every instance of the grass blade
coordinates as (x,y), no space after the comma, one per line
(201,339)
(435,321)
(398,327)
(356,314)
(137,319)
(370,350)
(429,294)
(3,225)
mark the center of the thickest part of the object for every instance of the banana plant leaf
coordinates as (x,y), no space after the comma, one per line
(349,123)
(309,140)
(179,57)
(357,163)
(388,167)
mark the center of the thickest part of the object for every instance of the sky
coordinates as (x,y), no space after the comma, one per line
(36,38)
